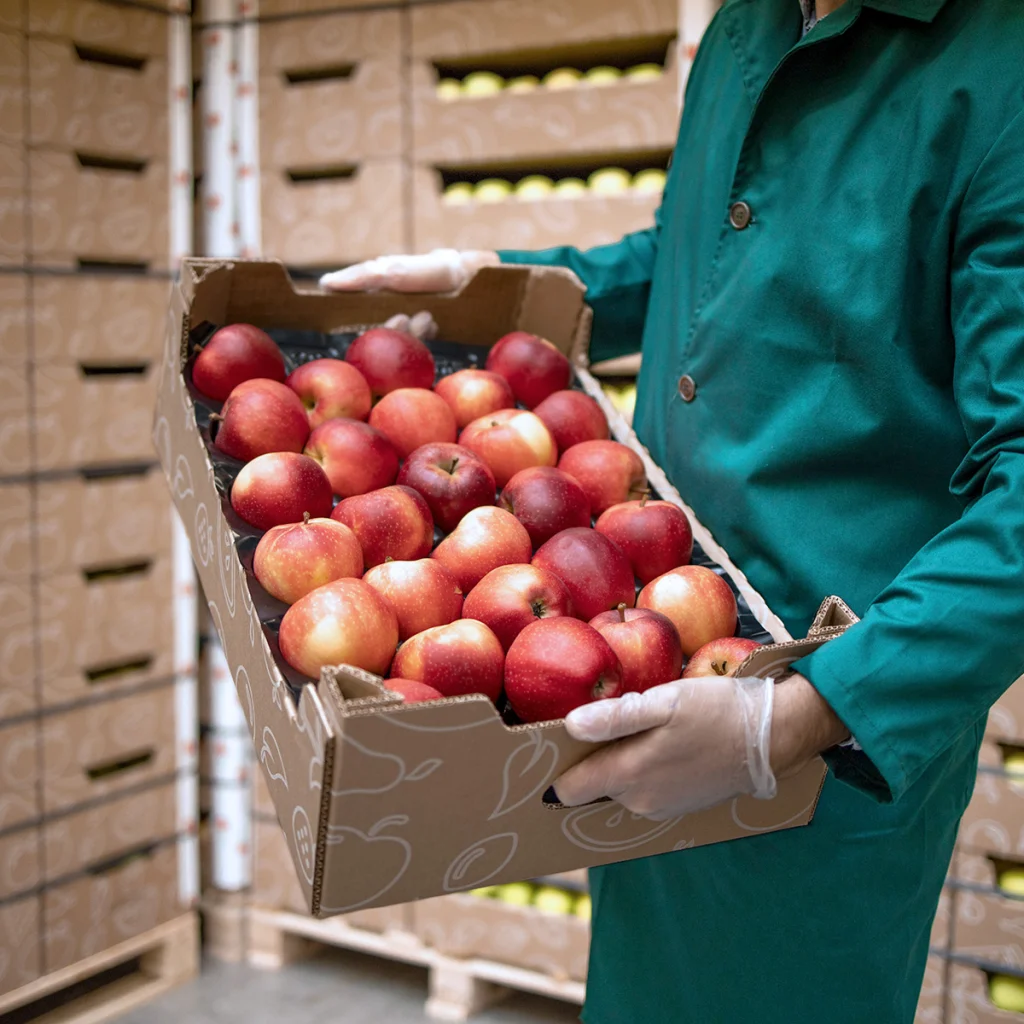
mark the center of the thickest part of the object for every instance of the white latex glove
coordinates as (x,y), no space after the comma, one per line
(443,270)
(420,325)
(682,747)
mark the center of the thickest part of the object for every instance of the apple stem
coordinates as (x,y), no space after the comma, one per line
(622,612)
(305,517)
(644,496)
(215,417)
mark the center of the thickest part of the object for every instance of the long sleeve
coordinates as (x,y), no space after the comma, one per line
(940,644)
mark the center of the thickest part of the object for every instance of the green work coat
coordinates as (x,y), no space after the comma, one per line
(857,428)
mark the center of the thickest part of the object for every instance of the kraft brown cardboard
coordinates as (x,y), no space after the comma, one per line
(262,801)
(20,866)
(12,15)
(14,310)
(15,420)
(939,939)
(12,87)
(989,926)
(1006,718)
(13,251)
(101,635)
(967,1000)
(328,42)
(125,29)
(15,532)
(18,668)
(20,952)
(363,784)
(994,820)
(19,773)
(931,1003)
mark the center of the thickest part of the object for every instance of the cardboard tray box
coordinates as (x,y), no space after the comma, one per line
(16,420)
(128,30)
(12,86)
(12,15)
(989,926)
(940,934)
(931,1003)
(20,864)
(14,316)
(384,802)
(19,773)
(13,251)
(18,668)
(967,1000)
(15,537)
(1006,718)
(20,946)
(333,41)
(994,820)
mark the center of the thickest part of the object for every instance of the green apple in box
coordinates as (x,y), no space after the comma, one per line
(562,78)
(609,181)
(534,186)
(1007,992)
(602,75)
(522,83)
(517,894)
(492,190)
(569,188)
(448,89)
(644,72)
(482,83)
(552,900)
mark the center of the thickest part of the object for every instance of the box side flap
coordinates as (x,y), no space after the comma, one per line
(552,306)
(833,614)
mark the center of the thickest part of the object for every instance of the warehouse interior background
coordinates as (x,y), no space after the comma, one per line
(143,873)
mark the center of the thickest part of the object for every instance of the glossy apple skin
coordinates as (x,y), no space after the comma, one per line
(595,572)
(294,559)
(484,539)
(280,488)
(423,593)
(261,416)
(608,471)
(573,417)
(474,393)
(720,657)
(356,457)
(510,597)
(646,644)
(330,388)
(452,480)
(510,440)
(343,623)
(546,501)
(393,522)
(391,359)
(699,602)
(533,367)
(412,417)
(462,657)
(413,691)
(236,353)
(656,536)
(555,665)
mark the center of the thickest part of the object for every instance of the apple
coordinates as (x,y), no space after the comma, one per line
(546,501)
(412,690)
(482,83)
(608,471)
(650,181)
(533,186)
(355,456)
(485,538)
(459,193)
(293,559)
(451,479)
(515,894)
(602,75)
(533,366)
(522,83)
(485,892)
(646,644)
(474,393)
(562,78)
(448,89)
(595,572)
(459,658)
(699,602)
(570,188)
(510,597)
(555,665)
(1011,881)
(721,657)
(654,535)
(393,522)
(423,593)
(550,900)
(510,440)
(342,623)
(391,359)
(609,181)
(492,190)
(260,416)
(329,388)
(645,72)
(412,417)
(583,909)
(1006,992)
(233,354)
(279,488)
(572,417)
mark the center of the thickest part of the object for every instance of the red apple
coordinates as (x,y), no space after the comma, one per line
(474,393)
(546,501)
(699,602)
(452,480)
(720,657)
(655,535)
(413,691)
(294,559)
(646,644)
(462,657)
(555,665)
(595,572)
(356,457)
(609,472)
(390,359)
(412,417)
(279,488)
(233,354)
(423,593)
(393,522)
(510,597)
(342,623)
(485,538)
(260,416)
(572,417)
(510,440)
(329,388)
(533,366)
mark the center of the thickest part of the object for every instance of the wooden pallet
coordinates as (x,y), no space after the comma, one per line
(457,988)
(166,956)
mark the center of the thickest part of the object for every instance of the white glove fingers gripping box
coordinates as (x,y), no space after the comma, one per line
(383,802)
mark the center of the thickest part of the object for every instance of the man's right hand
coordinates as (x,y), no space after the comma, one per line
(443,270)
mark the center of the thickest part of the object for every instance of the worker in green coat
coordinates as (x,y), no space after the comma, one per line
(831,309)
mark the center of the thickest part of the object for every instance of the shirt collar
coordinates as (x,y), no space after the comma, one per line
(920,10)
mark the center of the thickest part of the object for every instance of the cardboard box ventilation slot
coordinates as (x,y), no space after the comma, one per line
(382,802)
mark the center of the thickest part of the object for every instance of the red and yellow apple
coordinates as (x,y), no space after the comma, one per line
(260,416)
(720,657)
(462,657)
(646,644)
(423,593)
(533,367)
(654,535)
(279,488)
(452,480)
(608,471)
(393,522)
(485,538)
(331,388)
(412,417)
(236,353)
(413,691)
(474,393)
(546,501)
(699,602)
(391,359)
(510,440)
(573,417)
(356,457)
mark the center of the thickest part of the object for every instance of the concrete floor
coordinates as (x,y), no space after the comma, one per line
(340,987)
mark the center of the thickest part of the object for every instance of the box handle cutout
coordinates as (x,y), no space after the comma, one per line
(330,73)
(301,175)
(112,59)
(103,673)
(104,370)
(98,162)
(97,266)
(120,766)
(115,472)
(107,572)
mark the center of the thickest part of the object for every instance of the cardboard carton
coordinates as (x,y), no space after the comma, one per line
(19,773)
(120,29)
(12,15)
(20,949)
(990,926)
(383,802)
(12,87)
(273,8)
(12,205)
(262,801)
(16,419)
(17,652)
(1006,718)
(332,41)
(967,1000)
(994,820)
(931,1004)
(941,923)
(15,533)
(14,311)
(20,865)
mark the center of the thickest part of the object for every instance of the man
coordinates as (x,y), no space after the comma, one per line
(832,314)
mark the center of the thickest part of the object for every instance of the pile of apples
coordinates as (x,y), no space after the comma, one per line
(546,531)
